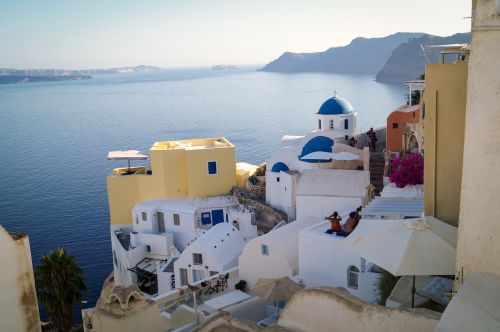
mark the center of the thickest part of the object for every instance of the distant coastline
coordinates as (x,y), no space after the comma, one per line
(13,76)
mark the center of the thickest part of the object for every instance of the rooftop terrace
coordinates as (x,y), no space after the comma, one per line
(193,144)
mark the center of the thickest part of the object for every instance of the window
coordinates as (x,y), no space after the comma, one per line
(136,219)
(212,168)
(395,125)
(144,216)
(148,248)
(278,179)
(331,124)
(197,259)
(319,124)
(352,277)
(177,219)
(346,124)
(265,250)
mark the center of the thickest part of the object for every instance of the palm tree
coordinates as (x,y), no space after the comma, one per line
(59,285)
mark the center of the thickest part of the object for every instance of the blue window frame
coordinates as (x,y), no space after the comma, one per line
(264,250)
(212,167)
(205,218)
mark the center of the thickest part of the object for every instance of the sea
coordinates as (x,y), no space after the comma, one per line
(55,136)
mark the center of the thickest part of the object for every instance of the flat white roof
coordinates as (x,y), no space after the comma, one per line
(227,299)
(188,205)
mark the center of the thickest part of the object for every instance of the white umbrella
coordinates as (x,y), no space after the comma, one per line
(344,155)
(475,306)
(126,155)
(276,289)
(318,156)
(423,246)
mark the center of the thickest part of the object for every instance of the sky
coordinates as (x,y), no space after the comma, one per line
(80,34)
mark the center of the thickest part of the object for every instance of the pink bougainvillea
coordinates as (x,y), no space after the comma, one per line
(409,170)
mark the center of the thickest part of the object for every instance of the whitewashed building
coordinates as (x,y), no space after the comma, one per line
(311,158)
(323,261)
(145,251)
(215,252)
(273,255)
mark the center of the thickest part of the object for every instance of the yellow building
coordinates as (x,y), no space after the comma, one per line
(188,168)
(443,118)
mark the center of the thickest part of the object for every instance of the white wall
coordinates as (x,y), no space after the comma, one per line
(253,265)
(244,219)
(18,301)
(324,206)
(324,262)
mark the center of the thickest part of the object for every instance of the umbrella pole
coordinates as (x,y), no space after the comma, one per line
(413,291)
(128,165)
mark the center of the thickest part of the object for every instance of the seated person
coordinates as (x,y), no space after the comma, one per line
(334,223)
(349,226)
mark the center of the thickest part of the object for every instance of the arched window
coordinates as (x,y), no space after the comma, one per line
(331,124)
(352,277)
(346,124)
(319,124)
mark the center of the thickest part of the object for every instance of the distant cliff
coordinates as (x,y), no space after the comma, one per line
(9,75)
(362,55)
(10,79)
(407,61)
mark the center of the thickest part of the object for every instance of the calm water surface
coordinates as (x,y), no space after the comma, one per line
(54,139)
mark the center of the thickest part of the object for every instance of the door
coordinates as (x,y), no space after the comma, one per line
(205,218)
(161,222)
(217,216)
(184,276)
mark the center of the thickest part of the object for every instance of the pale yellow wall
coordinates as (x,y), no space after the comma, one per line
(200,183)
(478,247)
(333,309)
(444,122)
(176,172)
(18,302)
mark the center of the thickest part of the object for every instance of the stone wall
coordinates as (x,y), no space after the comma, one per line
(328,309)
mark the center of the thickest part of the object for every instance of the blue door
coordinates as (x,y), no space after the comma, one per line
(217,216)
(205,218)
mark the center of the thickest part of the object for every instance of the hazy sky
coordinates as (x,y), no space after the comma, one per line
(181,33)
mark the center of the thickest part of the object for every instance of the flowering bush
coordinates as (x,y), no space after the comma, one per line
(409,170)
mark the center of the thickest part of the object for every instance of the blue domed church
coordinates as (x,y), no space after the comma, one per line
(309,158)
(338,114)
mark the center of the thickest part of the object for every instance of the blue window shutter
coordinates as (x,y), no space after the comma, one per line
(212,167)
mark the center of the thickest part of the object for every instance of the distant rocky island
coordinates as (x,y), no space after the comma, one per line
(10,75)
(224,67)
(391,59)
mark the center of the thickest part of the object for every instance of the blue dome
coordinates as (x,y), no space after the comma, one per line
(279,166)
(335,106)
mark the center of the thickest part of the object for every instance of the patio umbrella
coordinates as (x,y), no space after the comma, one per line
(344,155)
(318,157)
(475,306)
(276,289)
(409,247)
(126,155)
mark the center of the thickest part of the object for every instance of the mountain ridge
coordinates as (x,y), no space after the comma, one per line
(343,59)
